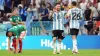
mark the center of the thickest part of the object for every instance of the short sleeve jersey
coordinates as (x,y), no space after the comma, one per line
(16,30)
(58,21)
(15,19)
(76,16)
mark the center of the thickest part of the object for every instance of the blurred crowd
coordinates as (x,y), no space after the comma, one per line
(35,10)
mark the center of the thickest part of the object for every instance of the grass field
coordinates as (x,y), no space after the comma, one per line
(49,53)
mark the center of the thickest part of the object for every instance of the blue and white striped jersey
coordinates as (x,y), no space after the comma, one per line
(76,16)
(58,21)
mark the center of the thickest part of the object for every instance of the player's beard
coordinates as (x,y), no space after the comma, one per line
(58,10)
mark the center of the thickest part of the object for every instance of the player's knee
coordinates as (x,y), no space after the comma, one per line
(54,38)
(59,40)
(74,37)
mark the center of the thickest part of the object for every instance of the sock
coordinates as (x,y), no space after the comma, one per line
(59,47)
(14,43)
(54,46)
(20,45)
(76,49)
(14,46)
(73,49)
(75,45)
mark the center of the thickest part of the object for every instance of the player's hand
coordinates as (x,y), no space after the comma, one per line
(21,23)
(10,49)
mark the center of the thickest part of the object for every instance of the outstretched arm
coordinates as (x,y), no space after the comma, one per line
(9,45)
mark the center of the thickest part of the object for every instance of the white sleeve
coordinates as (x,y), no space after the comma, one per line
(82,14)
(53,15)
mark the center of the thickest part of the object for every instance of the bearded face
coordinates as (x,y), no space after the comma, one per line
(58,7)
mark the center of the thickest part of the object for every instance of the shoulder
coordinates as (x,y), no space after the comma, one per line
(14,27)
(18,16)
(12,17)
(80,9)
(54,13)
(19,26)
(63,12)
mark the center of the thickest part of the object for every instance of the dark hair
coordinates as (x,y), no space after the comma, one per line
(57,3)
(8,32)
(74,3)
(65,4)
(98,1)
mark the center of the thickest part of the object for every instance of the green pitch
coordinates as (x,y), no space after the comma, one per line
(49,53)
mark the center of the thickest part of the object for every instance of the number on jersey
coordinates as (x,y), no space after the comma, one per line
(76,15)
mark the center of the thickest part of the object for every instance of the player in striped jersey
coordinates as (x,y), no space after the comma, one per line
(57,28)
(75,14)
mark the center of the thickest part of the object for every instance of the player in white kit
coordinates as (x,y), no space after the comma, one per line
(57,29)
(75,16)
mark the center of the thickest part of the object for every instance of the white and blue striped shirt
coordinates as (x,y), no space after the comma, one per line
(76,16)
(58,21)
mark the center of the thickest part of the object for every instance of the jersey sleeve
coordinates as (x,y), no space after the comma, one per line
(53,15)
(11,19)
(23,28)
(20,19)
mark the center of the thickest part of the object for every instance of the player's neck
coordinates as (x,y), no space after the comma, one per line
(74,6)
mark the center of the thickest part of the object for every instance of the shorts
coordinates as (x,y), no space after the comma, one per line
(74,31)
(23,34)
(58,34)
